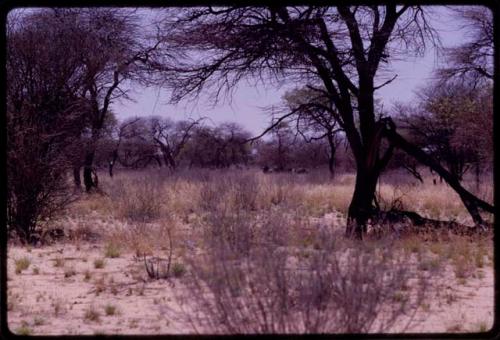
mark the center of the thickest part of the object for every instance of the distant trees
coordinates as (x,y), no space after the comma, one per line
(453,122)
(313,121)
(171,137)
(218,147)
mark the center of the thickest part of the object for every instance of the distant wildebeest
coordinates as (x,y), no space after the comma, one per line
(300,171)
(266,169)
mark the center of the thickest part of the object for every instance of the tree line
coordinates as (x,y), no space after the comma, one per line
(65,68)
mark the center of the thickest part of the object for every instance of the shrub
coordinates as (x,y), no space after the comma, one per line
(138,199)
(68,272)
(99,263)
(38,321)
(112,250)
(338,288)
(22,264)
(23,330)
(110,310)
(59,262)
(92,314)
(178,269)
(87,275)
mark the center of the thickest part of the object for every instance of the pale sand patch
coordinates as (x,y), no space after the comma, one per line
(141,303)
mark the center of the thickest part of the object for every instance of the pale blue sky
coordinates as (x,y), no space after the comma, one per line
(247,103)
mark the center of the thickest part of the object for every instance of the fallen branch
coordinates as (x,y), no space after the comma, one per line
(471,202)
(411,219)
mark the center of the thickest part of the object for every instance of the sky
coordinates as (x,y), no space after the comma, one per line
(247,104)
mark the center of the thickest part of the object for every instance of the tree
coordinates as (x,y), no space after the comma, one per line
(473,60)
(171,137)
(337,50)
(445,125)
(454,123)
(114,50)
(135,146)
(313,122)
(44,114)
(218,147)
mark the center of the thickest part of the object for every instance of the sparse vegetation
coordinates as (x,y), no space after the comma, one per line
(69,272)
(22,264)
(342,213)
(99,263)
(178,269)
(92,314)
(23,330)
(38,321)
(87,275)
(59,262)
(112,250)
(482,327)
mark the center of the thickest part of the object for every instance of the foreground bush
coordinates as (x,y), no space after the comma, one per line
(270,286)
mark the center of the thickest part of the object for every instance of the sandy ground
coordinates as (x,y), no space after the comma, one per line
(56,301)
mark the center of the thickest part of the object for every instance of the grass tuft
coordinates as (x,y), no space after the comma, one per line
(22,264)
(99,263)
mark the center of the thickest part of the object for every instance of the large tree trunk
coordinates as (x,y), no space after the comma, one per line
(76,177)
(361,208)
(331,156)
(112,162)
(87,171)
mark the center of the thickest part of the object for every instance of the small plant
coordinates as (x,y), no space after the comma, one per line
(36,270)
(454,328)
(57,305)
(59,262)
(91,314)
(23,330)
(429,265)
(87,275)
(99,286)
(399,297)
(110,310)
(482,327)
(38,321)
(437,248)
(134,323)
(69,272)
(178,269)
(112,250)
(22,264)
(99,263)
(450,298)
(479,259)
(462,268)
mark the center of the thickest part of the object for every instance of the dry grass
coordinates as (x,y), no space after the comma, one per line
(99,263)
(227,219)
(22,264)
(92,314)
(112,249)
